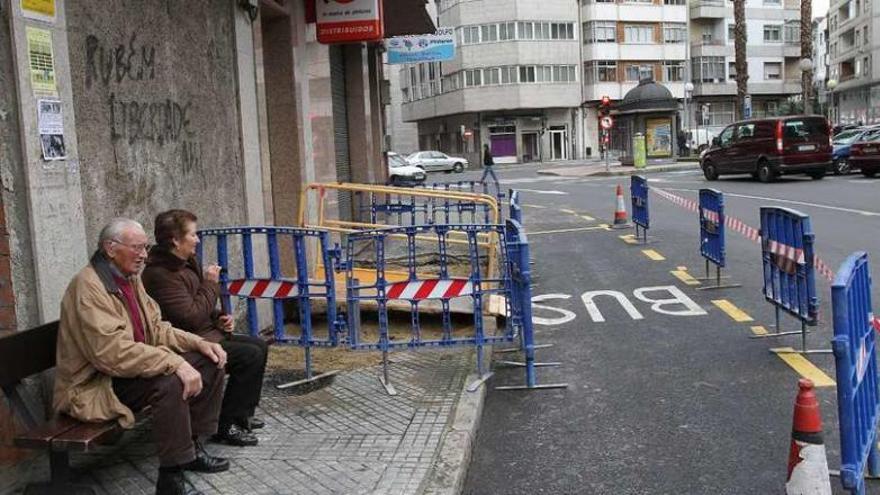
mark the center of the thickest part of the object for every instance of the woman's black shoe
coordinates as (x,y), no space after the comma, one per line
(233,434)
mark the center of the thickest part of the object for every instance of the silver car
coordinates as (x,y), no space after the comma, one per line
(434,161)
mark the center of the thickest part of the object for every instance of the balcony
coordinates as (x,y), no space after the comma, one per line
(713,48)
(710,9)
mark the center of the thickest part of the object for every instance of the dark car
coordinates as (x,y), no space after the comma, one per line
(768,148)
(842,143)
(865,154)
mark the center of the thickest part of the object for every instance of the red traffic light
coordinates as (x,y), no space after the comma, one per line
(606,101)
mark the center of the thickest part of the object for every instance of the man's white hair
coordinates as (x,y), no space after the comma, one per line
(115,228)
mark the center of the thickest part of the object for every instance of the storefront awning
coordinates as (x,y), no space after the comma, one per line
(403,17)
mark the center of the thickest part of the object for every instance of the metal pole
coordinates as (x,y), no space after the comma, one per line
(606,145)
(778,325)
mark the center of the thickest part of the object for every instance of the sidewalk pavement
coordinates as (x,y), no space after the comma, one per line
(598,169)
(349,437)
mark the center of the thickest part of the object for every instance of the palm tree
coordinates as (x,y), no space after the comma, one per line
(807,51)
(739,45)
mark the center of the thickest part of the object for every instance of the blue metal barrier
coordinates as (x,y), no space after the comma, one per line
(712,229)
(289,247)
(854,344)
(638,189)
(789,279)
(515,206)
(403,210)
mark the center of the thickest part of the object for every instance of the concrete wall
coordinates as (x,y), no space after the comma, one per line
(154,87)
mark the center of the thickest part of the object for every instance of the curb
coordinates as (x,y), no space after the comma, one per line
(629,170)
(449,471)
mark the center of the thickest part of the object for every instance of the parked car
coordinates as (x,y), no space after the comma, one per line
(401,172)
(843,127)
(865,154)
(842,142)
(768,148)
(699,139)
(434,161)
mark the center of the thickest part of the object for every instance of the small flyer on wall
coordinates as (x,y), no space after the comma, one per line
(50,122)
(42,60)
(43,10)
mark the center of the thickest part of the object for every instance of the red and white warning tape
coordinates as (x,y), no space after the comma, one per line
(788,252)
(263,288)
(749,232)
(875,322)
(416,290)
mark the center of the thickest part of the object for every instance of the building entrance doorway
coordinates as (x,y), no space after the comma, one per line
(558,143)
(531,150)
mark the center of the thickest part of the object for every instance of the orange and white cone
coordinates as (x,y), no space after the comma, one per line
(620,215)
(807,464)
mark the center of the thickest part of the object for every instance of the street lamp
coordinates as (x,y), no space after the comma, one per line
(688,90)
(806,67)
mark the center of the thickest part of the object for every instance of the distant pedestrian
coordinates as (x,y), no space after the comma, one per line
(682,143)
(488,165)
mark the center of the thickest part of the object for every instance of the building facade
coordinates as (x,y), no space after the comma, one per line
(851,49)
(773,55)
(514,83)
(820,62)
(623,43)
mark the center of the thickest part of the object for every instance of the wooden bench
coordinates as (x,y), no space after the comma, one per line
(27,353)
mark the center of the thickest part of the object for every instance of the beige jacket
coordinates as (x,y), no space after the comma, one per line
(96,343)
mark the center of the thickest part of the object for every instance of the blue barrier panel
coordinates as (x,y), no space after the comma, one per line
(515,206)
(854,342)
(403,209)
(789,279)
(638,189)
(286,246)
(712,226)
(456,278)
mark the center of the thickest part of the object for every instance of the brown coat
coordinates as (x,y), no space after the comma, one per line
(187,300)
(96,343)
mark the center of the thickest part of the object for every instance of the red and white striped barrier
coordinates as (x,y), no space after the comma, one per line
(417,290)
(790,253)
(262,288)
(740,227)
(875,322)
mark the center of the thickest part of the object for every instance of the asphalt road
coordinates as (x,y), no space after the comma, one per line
(663,397)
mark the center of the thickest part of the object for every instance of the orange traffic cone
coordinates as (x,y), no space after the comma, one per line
(807,464)
(620,216)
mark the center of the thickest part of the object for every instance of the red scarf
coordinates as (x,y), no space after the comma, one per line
(134,312)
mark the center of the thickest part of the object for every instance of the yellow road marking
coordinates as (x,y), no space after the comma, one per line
(566,210)
(588,218)
(564,231)
(732,311)
(685,277)
(653,255)
(759,330)
(629,239)
(535,206)
(805,368)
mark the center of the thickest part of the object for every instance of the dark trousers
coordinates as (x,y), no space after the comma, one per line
(245,362)
(487,171)
(176,421)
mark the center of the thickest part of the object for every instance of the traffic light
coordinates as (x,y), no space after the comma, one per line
(605,106)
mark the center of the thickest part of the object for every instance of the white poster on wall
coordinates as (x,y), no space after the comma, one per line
(50,124)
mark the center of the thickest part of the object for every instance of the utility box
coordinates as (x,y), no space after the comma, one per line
(639,152)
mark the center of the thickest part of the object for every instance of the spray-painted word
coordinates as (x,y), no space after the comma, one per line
(155,121)
(125,62)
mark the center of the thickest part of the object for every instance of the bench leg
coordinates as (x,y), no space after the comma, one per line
(60,484)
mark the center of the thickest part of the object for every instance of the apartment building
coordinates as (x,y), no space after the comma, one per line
(820,62)
(513,85)
(625,41)
(773,55)
(851,48)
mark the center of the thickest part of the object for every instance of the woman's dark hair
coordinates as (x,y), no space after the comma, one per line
(171,225)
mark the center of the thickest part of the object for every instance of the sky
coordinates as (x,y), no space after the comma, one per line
(820,8)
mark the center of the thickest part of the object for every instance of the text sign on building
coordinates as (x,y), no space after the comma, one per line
(435,47)
(346,21)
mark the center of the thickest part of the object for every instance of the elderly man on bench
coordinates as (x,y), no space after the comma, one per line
(115,355)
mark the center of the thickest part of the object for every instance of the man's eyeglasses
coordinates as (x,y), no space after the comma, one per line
(136,247)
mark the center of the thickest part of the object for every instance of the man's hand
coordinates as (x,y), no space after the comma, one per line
(214,352)
(212,273)
(226,323)
(192,380)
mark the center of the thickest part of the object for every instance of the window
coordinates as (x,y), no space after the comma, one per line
(792,32)
(772,33)
(731,33)
(639,72)
(674,2)
(731,70)
(563,73)
(600,71)
(490,76)
(772,71)
(562,31)
(527,74)
(865,35)
(866,65)
(470,35)
(544,73)
(720,113)
(507,31)
(451,82)
(526,30)
(745,131)
(542,30)
(489,33)
(708,69)
(726,136)
(405,92)
(635,33)
(674,33)
(772,2)
(508,75)
(600,32)
(473,77)
(673,71)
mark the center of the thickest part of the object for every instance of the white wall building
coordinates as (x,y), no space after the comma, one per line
(820,59)
(773,48)
(852,25)
(513,84)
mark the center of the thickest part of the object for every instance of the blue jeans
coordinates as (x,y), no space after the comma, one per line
(487,170)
